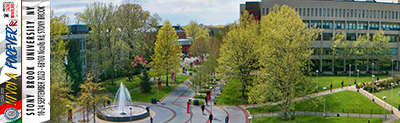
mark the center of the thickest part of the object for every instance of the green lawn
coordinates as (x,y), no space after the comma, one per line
(345,101)
(138,96)
(231,94)
(318,119)
(397,121)
(325,80)
(153,73)
(130,85)
(388,94)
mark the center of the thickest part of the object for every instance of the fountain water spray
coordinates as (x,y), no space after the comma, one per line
(124,99)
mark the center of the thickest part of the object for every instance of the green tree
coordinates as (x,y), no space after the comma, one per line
(240,52)
(196,31)
(199,79)
(59,87)
(360,47)
(91,96)
(380,47)
(166,51)
(145,84)
(337,47)
(285,53)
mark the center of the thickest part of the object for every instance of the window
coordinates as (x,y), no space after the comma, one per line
(327,12)
(397,15)
(327,36)
(351,13)
(348,12)
(300,11)
(327,25)
(359,13)
(362,26)
(374,13)
(392,15)
(312,12)
(389,13)
(339,25)
(373,26)
(394,51)
(320,12)
(363,13)
(350,25)
(323,13)
(304,11)
(263,11)
(335,12)
(351,36)
(308,11)
(340,12)
(332,13)
(377,14)
(266,13)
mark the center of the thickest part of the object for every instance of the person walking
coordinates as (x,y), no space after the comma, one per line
(202,108)
(331,86)
(210,117)
(342,84)
(205,98)
(226,119)
(355,81)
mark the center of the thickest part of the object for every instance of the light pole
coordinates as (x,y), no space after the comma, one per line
(372,69)
(115,87)
(384,114)
(211,100)
(358,74)
(324,102)
(391,109)
(349,74)
(317,80)
(392,68)
(130,116)
(373,86)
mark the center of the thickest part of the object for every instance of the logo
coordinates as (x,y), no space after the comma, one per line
(12,23)
(11,114)
(9,9)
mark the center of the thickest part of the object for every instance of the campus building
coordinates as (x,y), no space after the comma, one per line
(335,16)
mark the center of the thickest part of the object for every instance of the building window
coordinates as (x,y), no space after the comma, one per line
(267,11)
(348,12)
(392,15)
(339,25)
(332,13)
(308,11)
(320,12)
(340,12)
(327,25)
(335,12)
(389,13)
(394,51)
(374,13)
(323,14)
(351,13)
(300,11)
(359,13)
(363,13)
(397,15)
(351,26)
(312,11)
(263,11)
(327,12)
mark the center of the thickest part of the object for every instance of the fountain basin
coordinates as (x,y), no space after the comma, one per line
(111,113)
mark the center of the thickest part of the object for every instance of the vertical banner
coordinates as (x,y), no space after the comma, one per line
(10,61)
(35,61)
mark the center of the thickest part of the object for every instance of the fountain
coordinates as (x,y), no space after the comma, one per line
(123,108)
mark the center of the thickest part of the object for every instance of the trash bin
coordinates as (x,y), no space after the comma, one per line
(195,102)
(153,101)
(399,107)
(387,73)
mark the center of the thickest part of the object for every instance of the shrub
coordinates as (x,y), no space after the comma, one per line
(200,96)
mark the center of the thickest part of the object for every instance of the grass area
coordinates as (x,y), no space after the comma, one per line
(341,102)
(153,73)
(231,95)
(388,94)
(130,85)
(138,96)
(325,80)
(318,119)
(397,121)
(200,96)
(179,79)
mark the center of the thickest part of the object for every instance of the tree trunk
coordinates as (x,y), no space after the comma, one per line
(333,65)
(344,60)
(94,113)
(243,88)
(166,82)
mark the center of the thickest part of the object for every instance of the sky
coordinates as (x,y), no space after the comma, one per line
(207,12)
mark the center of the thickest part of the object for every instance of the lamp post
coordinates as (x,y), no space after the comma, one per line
(384,114)
(324,102)
(373,86)
(358,74)
(317,80)
(349,74)
(130,116)
(392,68)
(372,69)
(391,109)
(211,100)
(115,87)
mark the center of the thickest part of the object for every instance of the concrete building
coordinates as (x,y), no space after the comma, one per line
(335,16)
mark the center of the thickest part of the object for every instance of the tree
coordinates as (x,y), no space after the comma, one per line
(199,79)
(91,96)
(199,47)
(337,45)
(145,84)
(196,31)
(285,52)
(240,52)
(166,51)
(360,47)
(380,47)
(59,87)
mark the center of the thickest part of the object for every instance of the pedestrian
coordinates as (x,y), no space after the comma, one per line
(151,119)
(188,106)
(206,100)
(202,108)
(210,117)
(355,81)
(342,84)
(331,86)
(226,119)
(377,79)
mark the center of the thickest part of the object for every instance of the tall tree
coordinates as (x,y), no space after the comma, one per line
(59,87)
(380,47)
(195,30)
(285,53)
(240,52)
(199,79)
(337,47)
(166,51)
(360,47)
